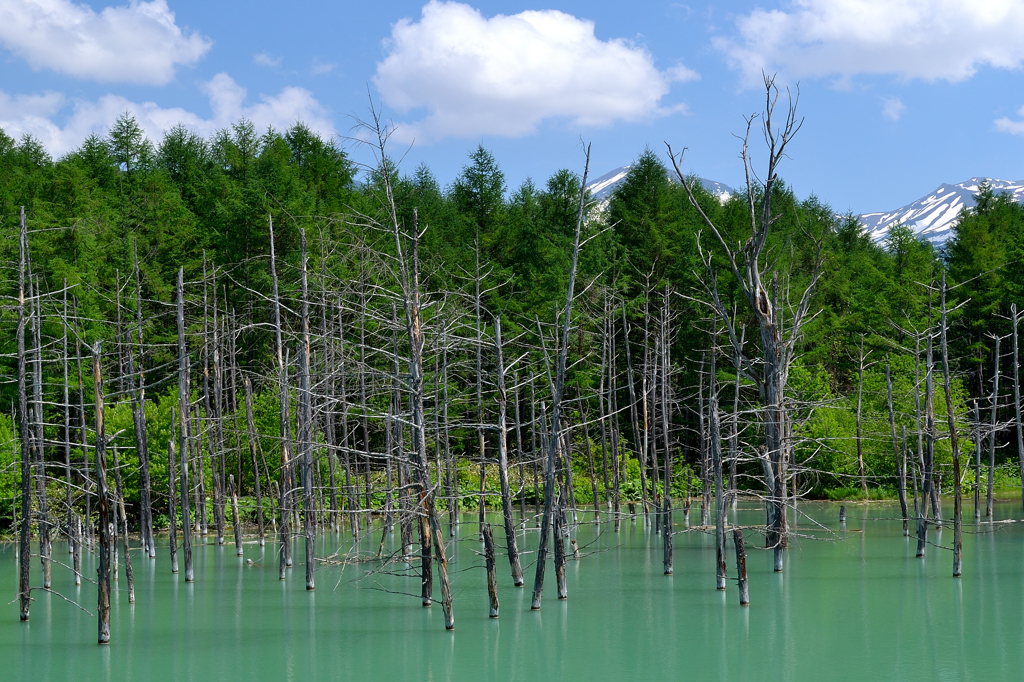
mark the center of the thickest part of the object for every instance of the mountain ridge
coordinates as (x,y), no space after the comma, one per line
(931,217)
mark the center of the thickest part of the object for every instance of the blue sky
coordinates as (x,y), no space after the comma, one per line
(899,96)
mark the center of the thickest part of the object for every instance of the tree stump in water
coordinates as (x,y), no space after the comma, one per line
(492,575)
(741,566)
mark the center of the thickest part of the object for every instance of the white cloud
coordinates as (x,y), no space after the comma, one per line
(320,67)
(506,74)
(1008,125)
(135,43)
(35,114)
(911,39)
(893,108)
(266,59)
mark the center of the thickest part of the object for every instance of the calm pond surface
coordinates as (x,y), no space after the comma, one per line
(858,606)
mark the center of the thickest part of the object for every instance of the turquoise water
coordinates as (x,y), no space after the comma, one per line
(850,606)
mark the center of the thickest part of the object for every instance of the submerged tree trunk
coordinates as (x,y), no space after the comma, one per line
(716,452)
(171,512)
(1016,402)
(235,523)
(103,572)
(492,577)
(24,548)
(142,436)
(305,419)
(977,462)
(38,442)
(184,410)
(953,442)
(741,566)
(860,395)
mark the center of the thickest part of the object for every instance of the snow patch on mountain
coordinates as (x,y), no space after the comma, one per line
(602,188)
(932,216)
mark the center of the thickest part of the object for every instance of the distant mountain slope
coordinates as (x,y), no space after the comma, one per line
(602,188)
(932,216)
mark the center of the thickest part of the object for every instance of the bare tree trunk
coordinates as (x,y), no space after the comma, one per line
(250,426)
(556,404)
(922,512)
(69,519)
(452,482)
(103,581)
(901,465)
(235,523)
(734,435)
(977,462)
(559,550)
(506,495)
(128,574)
(305,426)
(141,435)
(602,414)
(860,402)
(25,539)
(171,512)
(183,421)
(590,467)
(704,446)
(641,443)
(479,386)
(667,513)
(38,439)
(992,434)
(954,444)
(1016,401)
(716,456)
(492,577)
(741,566)
(613,433)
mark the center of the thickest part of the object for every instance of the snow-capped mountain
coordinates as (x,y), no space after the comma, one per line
(602,188)
(931,217)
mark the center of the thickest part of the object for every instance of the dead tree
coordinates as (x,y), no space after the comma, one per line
(141,436)
(304,424)
(716,457)
(1016,401)
(556,401)
(492,578)
(953,441)
(759,283)
(641,444)
(741,566)
(129,575)
(250,426)
(184,409)
(25,538)
(103,495)
(860,403)
(173,541)
(901,461)
(235,523)
(992,433)
(38,442)
(667,510)
(977,462)
(408,276)
(506,495)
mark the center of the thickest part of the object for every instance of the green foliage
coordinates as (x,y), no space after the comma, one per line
(194,203)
